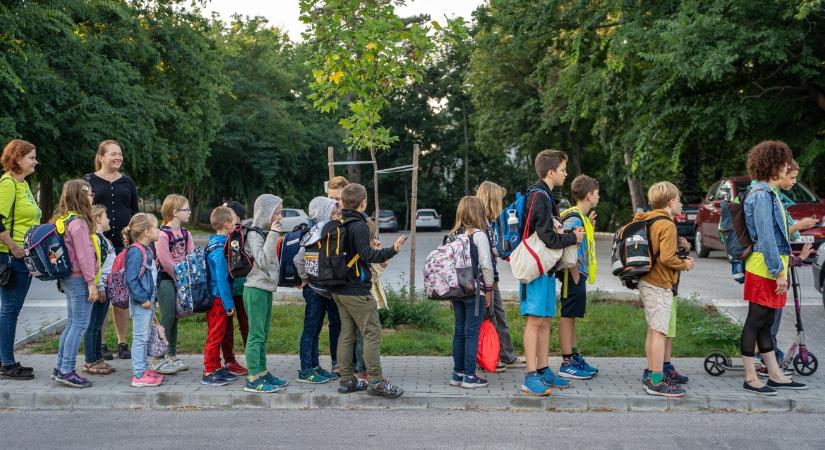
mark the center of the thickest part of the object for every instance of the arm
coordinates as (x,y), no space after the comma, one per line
(165,258)
(542,224)
(300,265)
(190,242)
(8,193)
(765,240)
(134,265)
(220,272)
(108,262)
(668,246)
(80,243)
(264,251)
(361,244)
(485,259)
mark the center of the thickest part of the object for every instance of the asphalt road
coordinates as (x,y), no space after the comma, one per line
(405,429)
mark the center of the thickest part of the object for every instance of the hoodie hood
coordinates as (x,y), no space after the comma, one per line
(217,239)
(265,206)
(647,215)
(321,208)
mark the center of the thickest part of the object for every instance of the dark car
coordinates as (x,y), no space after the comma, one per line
(706,238)
(686,222)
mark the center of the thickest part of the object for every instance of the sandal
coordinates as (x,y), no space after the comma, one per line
(106,365)
(97,369)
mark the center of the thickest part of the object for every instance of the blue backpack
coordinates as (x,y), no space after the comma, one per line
(288,247)
(508,235)
(192,284)
(48,258)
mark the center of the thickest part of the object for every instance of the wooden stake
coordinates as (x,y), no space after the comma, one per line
(413,208)
(330,162)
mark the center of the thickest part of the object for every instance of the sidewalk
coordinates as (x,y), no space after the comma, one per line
(424,379)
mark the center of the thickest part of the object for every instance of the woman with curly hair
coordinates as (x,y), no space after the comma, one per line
(766,269)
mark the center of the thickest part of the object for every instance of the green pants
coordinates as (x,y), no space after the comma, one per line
(167,300)
(359,313)
(258,304)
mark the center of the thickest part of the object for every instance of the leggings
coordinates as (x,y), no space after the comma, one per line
(757,330)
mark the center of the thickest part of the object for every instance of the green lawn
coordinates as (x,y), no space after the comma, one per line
(609,329)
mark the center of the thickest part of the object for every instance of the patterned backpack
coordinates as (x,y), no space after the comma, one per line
(116,287)
(157,345)
(47,257)
(191,283)
(451,270)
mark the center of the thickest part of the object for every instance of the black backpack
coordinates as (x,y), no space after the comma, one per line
(288,246)
(334,259)
(633,255)
(240,263)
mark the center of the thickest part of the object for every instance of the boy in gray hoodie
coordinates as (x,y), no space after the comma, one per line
(260,284)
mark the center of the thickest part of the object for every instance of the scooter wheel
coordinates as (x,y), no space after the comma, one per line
(715,363)
(804,368)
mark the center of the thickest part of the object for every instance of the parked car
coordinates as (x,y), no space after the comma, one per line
(819,274)
(686,222)
(387,221)
(706,237)
(290,218)
(427,218)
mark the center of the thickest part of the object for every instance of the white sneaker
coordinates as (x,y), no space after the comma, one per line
(165,367)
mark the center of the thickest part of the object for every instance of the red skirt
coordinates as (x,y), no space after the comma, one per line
(762,291)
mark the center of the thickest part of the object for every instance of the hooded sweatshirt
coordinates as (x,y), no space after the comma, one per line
(262,248)
(664,244)
(320,211)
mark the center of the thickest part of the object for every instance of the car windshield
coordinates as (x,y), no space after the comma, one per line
(799,193)
(426,214)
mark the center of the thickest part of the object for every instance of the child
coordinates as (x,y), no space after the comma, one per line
(318,300)
(141,232)
(357,308)
(260,284)
(538,298)
(334,188)
(471,219)
(492,195)
(656,291)
(73,218)
(223,220)
(574,281)
(376,270)
(92,344)
(173,244)
(228,342)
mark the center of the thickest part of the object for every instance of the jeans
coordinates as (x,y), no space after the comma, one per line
(11,301)
(314,311)
(334,328)
(93,341)
(79,311)
(141,326)
(468,314)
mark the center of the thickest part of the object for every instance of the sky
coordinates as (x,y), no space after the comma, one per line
(284,13)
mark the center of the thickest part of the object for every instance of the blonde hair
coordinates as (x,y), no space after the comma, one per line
(220,215)
(338,182)
(661,193)
(171,204)
(139,224)
(75,198)
(470,214)
(97,211)
(101,151)
(492,195)
(373,227)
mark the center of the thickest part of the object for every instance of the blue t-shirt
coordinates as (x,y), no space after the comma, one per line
(572,222)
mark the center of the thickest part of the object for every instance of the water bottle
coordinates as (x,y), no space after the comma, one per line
(737,270)
(512,230)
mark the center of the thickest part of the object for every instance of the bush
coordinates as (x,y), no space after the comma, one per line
(421,313)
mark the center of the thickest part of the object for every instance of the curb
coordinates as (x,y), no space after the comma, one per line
(49,329)
(69,399)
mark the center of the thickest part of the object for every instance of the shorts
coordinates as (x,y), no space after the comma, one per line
(575,302)
(660,309)
(538,298)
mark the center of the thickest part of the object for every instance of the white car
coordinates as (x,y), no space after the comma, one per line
(290,218)
(427,218)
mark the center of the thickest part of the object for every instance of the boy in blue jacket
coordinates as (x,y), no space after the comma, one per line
(223,220)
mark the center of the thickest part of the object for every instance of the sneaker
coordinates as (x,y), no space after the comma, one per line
(663,389)
(352,385)
(645,376)
(310,376)
(165,366)
(793,385)
(473,382)
(275,381)
(214,379)
(107,354)
(517,363)
(551,380)
(236,369)
(764,390)
(571,369)
(147,380)
(320,371)
(179,365)
(533,385)
(261,386)
(388,390)
(456,378)
(227,375)
(55,374)
(501,367)
(72,379)
(123,351)
(674,375)
(153,374)
(583,364)
(16,372)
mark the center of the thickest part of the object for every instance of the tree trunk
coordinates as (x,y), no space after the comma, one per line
(375,187)
(466,153)
(330,162)
(413,206)
(637,195)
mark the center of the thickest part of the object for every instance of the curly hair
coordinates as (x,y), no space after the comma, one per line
(14,151)
(767,159)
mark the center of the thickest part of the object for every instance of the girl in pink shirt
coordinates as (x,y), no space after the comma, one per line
(73,218)
(173,244)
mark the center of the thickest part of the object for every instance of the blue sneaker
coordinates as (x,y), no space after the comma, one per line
(310,376)
(329,375)
(571,369)
(456,379)
(275,381)
(551,380)
(261,386)
(227,375)
(214,379)
(583,364)
(673,374)
(645,376)
(533,385)
(472,382)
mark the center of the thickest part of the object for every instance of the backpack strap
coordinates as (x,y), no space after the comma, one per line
(650,223)
(526,233)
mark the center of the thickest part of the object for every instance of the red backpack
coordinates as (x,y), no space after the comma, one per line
(116,287)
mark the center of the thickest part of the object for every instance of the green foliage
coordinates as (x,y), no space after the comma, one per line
(422,314)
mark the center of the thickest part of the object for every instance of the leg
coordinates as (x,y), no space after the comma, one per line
(459,311)
(167,302)
(313,311)
(532,329)
(543,344)
(364,314)
(141,326)
(11,302)
(92,341)
(473,314)
(267,323)
(334,329)
(121,319)
(256,301)
(777,322)
(668,349)
(78,291)
(61,345)
(508,355)
(655,351)
(567,326)
(358,355)
(243,319)
(346,342)
(759,318)
(228,341)
(216,329)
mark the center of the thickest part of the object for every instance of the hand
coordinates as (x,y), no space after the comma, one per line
(399,243)
(304,283)
(376,243)
(690,263)
(781,283)
(92,292)
(488,299)
(146,305)
(575,275)
(592,216)
(683,243)
(807,223)
(579,234)
(385,264)
(276,227)
(806,250)
(18,252)
(230,313)
(101,295)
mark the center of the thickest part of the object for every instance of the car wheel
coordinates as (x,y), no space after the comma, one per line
(701,250)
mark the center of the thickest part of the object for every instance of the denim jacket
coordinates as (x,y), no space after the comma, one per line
(141,288)
(765,219)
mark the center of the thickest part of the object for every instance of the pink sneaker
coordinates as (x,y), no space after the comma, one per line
(146,380)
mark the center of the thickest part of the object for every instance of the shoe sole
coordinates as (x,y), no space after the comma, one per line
(761,394)
(312,382)
(455,383)
(575,377)
(473,385)
(210,383)
(145,384)
(75,386)
(527,391)
(22,378)
(802,388)
(384,395)
(501,369)
(255,391)
(347,391)
(661,394)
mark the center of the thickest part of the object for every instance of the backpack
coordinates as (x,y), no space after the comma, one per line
(733,232)
(204,304)
(116,288)
(240,263)
(334,262)
(288,246)
(311,252)
(47,256)
(191,283)
(509,235)
(632,253)
(171,238)
(451,270)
